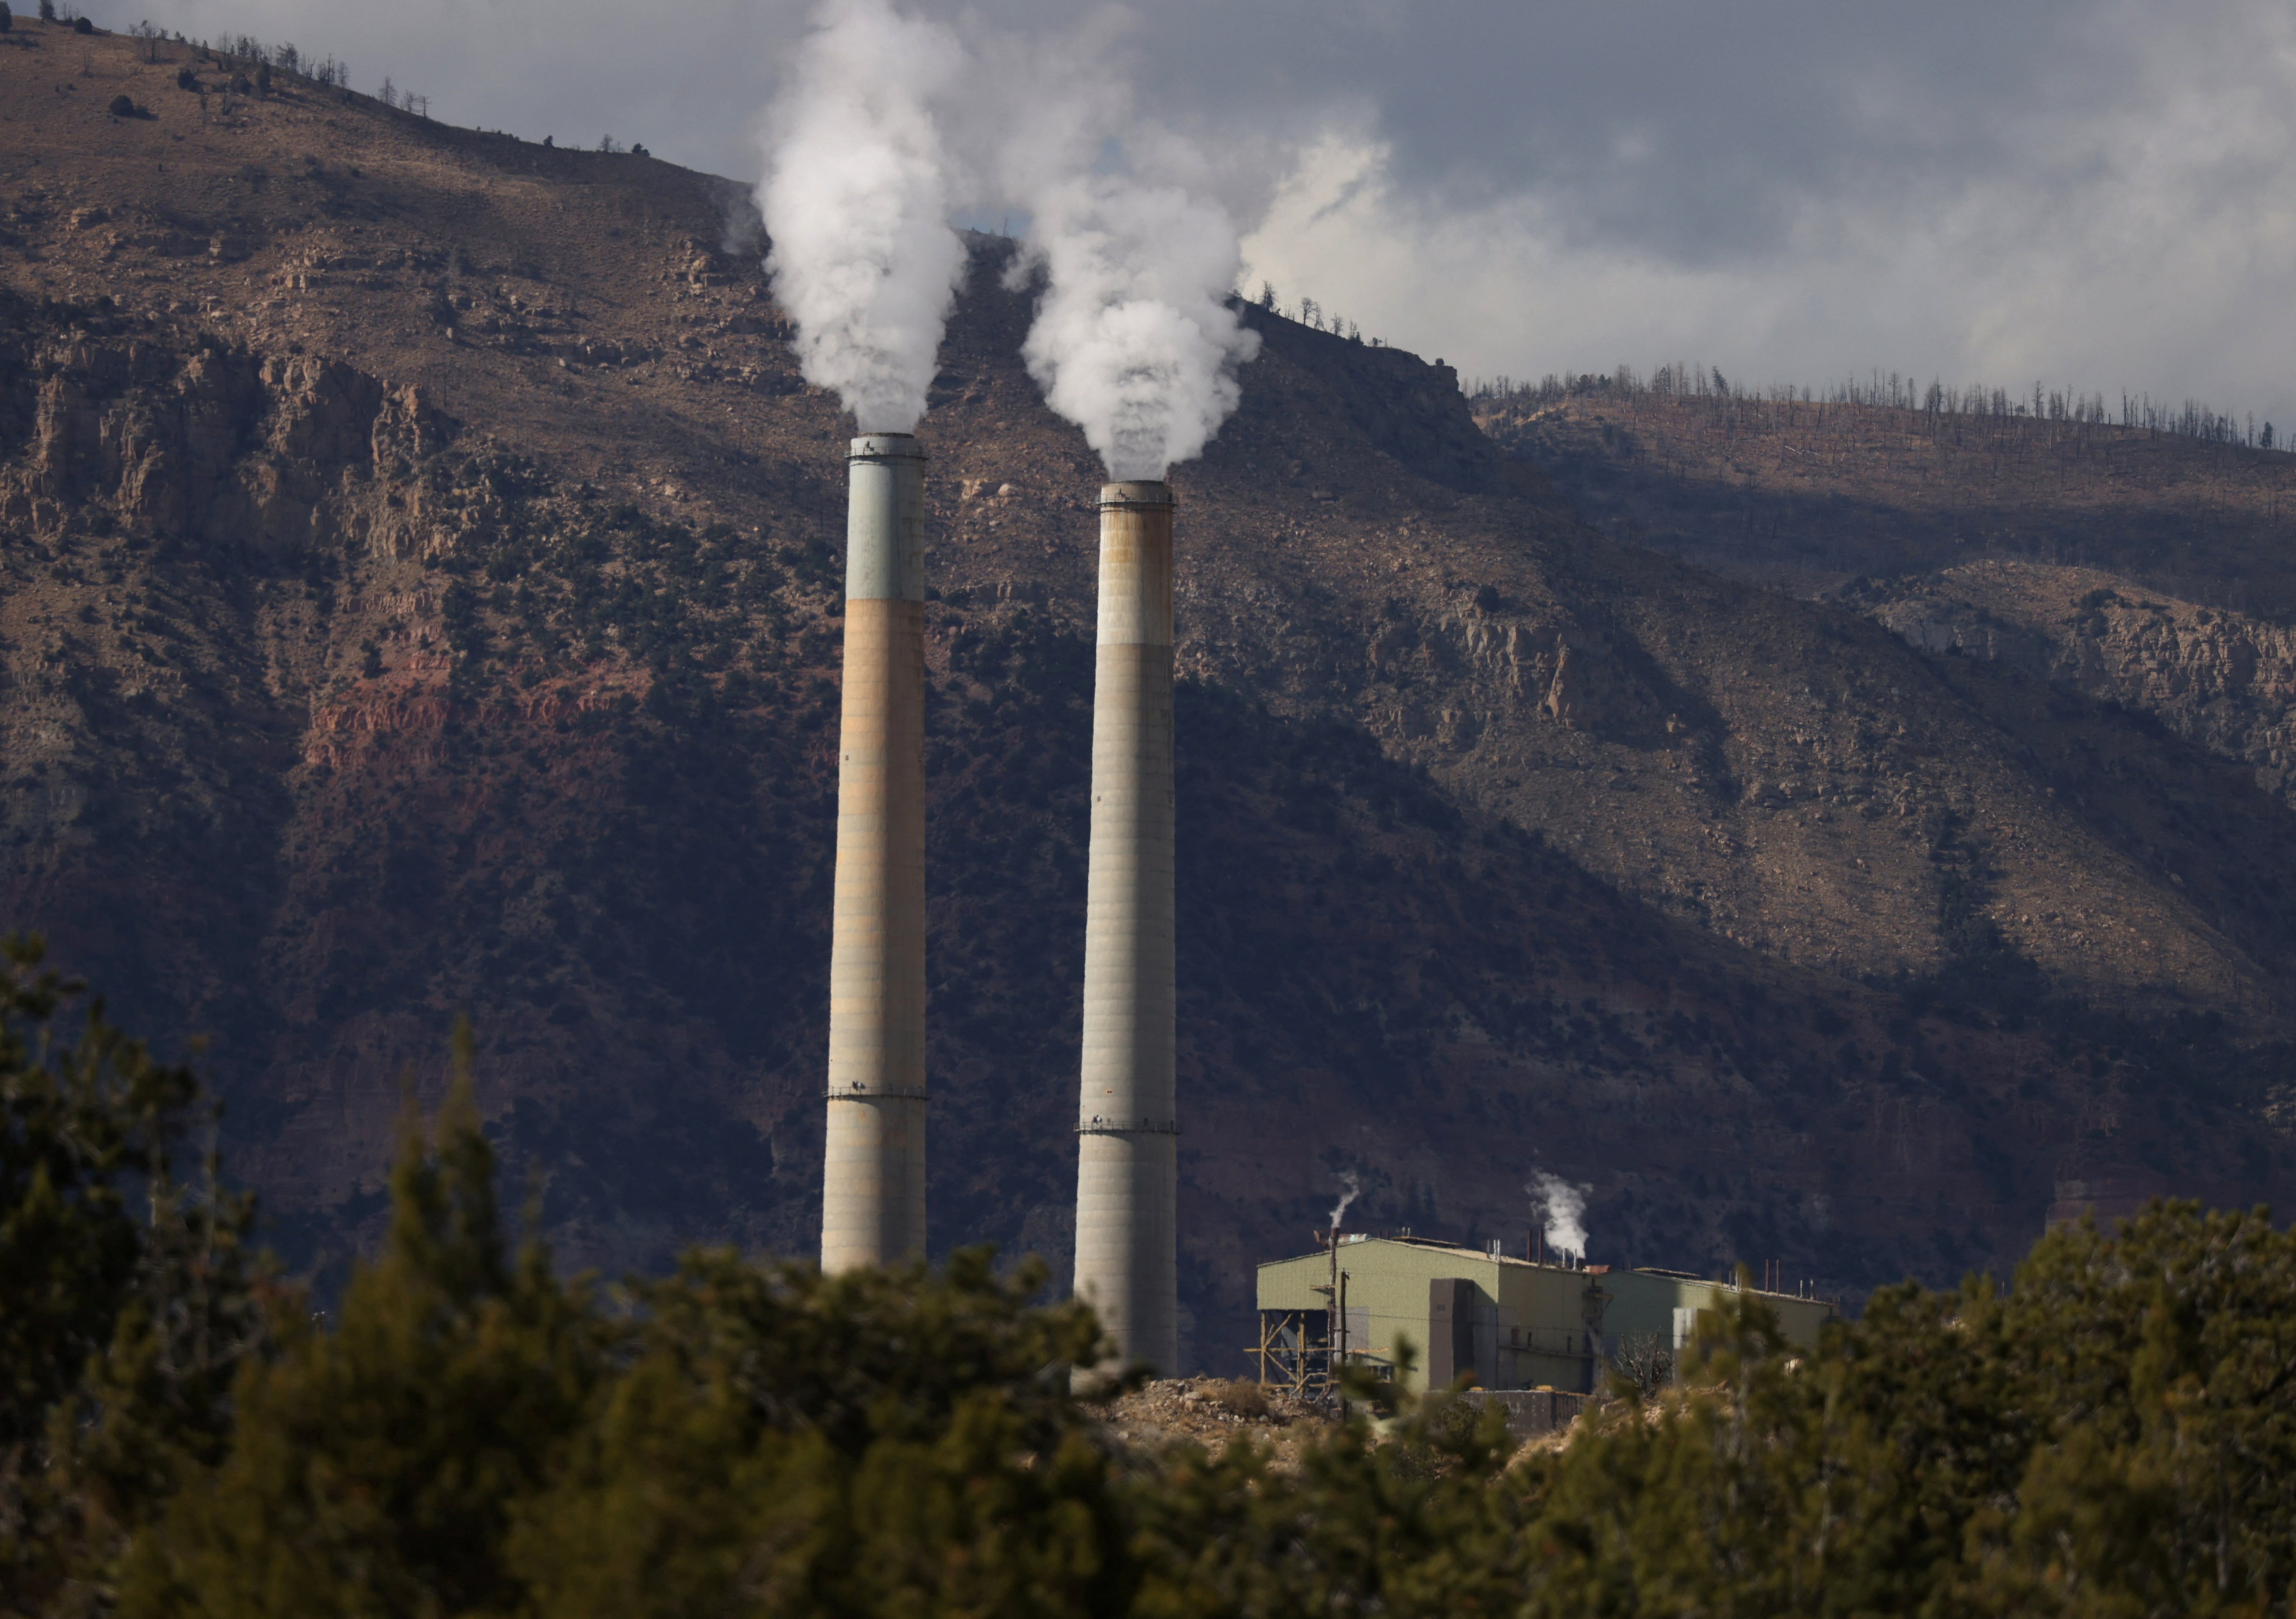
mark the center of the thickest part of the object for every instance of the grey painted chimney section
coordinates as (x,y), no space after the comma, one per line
(872,1202)
(1127,1233)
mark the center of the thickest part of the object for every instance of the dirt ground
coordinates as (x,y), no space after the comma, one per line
(1216,1413)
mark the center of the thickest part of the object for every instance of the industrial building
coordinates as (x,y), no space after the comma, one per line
(1514,1323)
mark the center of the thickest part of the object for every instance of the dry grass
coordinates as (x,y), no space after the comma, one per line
(1238,1396)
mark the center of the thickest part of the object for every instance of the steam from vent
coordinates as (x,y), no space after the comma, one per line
(1562,1213)
(856,199)
(1134,340)
(1349,1188)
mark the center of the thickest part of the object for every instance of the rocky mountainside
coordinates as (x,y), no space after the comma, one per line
(2099,560)
(1809,496)
(2224,681)
(418,565)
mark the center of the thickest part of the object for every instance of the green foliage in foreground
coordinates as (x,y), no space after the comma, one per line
(126,1300)
(2113,1435)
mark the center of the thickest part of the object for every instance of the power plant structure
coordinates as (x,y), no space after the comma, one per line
(1127,1169)
(1536,1337)
(1524,1324)
(872,1202)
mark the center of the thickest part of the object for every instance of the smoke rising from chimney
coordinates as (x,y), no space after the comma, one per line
(1134,340)
(1349,1186)
(855,199)
(1562,1213)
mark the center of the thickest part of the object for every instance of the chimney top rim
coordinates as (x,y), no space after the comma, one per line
(1136,492)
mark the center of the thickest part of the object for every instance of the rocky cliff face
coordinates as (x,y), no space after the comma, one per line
(429,604)
(2222,680)
(213,446)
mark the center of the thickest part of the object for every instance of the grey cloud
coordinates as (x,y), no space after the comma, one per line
(2091,188)
(1681,126)
(1692,129)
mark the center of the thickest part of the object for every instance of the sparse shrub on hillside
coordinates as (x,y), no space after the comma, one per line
(1240,1396)
(122,106)
(1977,407)
(1643,1365)
(81,25)
(186,79)
(229,50)
(47,10)
(7,17)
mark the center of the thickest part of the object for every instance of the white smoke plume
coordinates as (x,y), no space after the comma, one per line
(1134,340)
(1349,1186)
(855,198)
(1562,1213)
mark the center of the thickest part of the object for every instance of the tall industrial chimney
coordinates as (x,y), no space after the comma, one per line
(872,1202)
(1126,1159)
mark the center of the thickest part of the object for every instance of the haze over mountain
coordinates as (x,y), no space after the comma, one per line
(420,595)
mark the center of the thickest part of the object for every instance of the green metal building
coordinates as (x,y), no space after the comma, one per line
(1515,1323)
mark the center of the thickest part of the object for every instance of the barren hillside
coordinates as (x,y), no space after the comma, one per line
(1809,496)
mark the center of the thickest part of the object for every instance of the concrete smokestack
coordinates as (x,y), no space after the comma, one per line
(1126,1159)
(872,1202)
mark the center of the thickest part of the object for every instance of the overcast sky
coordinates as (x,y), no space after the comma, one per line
(2095,195)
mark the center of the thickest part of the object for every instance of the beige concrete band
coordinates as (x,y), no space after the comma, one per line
(1127,1160)
(873,1188)
(1136,564)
